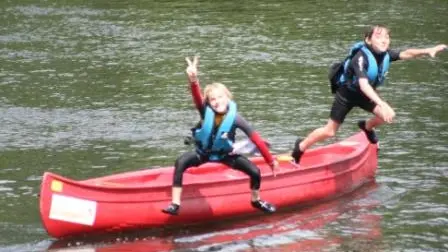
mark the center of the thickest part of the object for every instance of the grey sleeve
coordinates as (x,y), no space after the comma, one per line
(243,125)
(394,55)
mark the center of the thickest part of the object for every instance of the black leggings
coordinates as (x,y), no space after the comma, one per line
(237,162)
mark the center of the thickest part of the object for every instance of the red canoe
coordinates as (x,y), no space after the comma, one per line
(212,191)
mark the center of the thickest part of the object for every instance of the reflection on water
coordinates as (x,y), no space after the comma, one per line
(308,228)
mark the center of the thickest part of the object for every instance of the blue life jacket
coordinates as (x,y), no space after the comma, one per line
(215,146)
(376,74)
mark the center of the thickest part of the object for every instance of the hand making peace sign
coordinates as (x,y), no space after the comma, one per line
(192,69)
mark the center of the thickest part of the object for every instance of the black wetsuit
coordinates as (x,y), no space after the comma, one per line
(236,161)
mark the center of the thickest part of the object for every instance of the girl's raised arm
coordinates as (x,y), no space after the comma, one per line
(192,73)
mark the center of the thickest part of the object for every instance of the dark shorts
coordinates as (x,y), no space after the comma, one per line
(345,99)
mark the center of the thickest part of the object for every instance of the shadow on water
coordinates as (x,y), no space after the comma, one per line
(346,223)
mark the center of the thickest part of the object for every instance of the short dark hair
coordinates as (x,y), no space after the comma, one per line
(369,31)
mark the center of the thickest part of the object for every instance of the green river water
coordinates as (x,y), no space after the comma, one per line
(90,88)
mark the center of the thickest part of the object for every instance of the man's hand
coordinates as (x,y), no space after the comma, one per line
(387,113)
(434,50)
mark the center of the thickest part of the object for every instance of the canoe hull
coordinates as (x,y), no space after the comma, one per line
(213,191)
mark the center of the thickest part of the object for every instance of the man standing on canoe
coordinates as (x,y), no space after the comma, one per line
(362,74)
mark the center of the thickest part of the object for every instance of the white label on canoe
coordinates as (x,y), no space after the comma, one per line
(76,249)
(72,209)
(348,143)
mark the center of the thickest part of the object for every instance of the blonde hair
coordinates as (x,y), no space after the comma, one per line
(216,86)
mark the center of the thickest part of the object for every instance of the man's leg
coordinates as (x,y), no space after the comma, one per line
(369,125)
(339,110)
(320,134)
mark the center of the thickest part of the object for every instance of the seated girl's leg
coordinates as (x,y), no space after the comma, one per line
(242,163)
(184,162)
